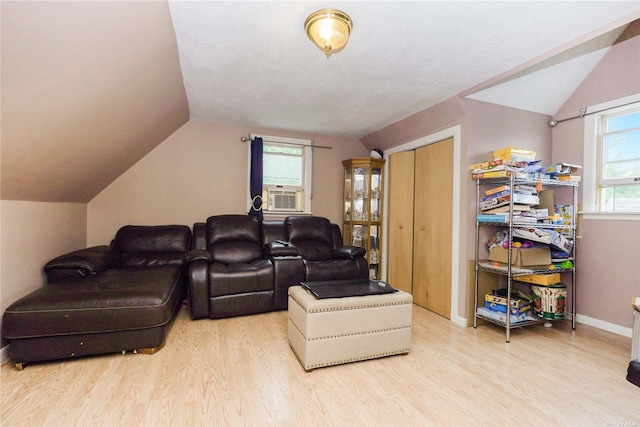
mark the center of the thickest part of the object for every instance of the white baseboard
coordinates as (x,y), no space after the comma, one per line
(601,324)
(460,321)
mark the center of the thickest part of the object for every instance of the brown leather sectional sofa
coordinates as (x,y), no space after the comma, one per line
(124,296)
(241,265)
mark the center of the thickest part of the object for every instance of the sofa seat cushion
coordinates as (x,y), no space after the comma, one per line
(240,278)
(333,269)
(116,300)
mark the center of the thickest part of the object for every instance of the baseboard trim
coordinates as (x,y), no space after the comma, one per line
(460,321)
(601,324)
(4,353)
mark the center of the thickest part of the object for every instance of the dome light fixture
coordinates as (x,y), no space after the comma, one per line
(329,29)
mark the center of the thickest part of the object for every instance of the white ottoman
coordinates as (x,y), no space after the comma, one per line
(324,332)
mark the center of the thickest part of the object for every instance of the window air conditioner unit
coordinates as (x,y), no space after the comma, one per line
(284,200)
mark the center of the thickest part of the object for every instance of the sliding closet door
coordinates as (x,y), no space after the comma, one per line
(433,227)
(400,225)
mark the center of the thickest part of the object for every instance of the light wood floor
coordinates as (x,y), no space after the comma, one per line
(241,372)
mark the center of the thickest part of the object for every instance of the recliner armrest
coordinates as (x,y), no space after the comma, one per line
(83,262)
(280,248)
(197,255)
(349,252)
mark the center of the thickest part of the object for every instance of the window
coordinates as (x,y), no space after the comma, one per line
(619,162)
(612,160)
(286,175)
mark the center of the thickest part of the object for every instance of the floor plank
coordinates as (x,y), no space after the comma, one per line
(241,371)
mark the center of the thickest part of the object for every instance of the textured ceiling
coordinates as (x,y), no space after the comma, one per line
(251,62)
(90,87)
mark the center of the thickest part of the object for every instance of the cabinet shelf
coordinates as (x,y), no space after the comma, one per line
(511,272)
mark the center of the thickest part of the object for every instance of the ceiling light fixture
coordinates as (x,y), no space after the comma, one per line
(329,29)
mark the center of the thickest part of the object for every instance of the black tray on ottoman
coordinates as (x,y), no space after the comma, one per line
(347,288)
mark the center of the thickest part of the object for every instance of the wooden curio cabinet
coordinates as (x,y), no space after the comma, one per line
(362,208)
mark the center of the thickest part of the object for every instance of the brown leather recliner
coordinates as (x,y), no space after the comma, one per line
(241,265)
(230,276)
(319,243)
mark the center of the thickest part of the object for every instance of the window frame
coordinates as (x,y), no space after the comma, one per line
(593,157)
(307,183)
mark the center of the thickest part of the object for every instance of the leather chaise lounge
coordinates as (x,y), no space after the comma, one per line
(123,297)
(103,299)
(241,265)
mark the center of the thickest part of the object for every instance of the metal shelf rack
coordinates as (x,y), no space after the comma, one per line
(511,272)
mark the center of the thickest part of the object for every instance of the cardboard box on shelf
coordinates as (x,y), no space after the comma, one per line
(490,164)
(549,302)
(502,308)
(490,202)
(521,257)
(571,178)
(497,303)
(562,169)
(546,200)
(559,241)
(515,154)
(534,234)
(540,279)
(567,216)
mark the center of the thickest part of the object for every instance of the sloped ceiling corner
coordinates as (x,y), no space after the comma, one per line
(544,87)
(88,88)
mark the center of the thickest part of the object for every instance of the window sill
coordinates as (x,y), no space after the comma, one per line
(616,216)
(282,215)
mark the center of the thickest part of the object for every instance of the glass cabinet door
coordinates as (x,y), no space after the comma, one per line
(360,194)
(348,191)
(362,215)
(376,186)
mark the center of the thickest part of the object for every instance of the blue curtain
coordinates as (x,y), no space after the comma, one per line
(255,184)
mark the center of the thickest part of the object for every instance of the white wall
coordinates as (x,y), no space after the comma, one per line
(32,233)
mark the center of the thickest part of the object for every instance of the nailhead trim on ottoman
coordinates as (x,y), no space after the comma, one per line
(325,332)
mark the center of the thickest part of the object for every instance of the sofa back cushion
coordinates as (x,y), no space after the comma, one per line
(312,236)
(233,239)
(144,246)
(273,230)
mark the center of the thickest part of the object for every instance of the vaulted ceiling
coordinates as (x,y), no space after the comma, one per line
(89,88)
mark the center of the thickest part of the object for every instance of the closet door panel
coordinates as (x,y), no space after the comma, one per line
(433,227)
(400,224)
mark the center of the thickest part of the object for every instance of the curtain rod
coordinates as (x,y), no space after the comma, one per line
(583,112)
(245,139)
